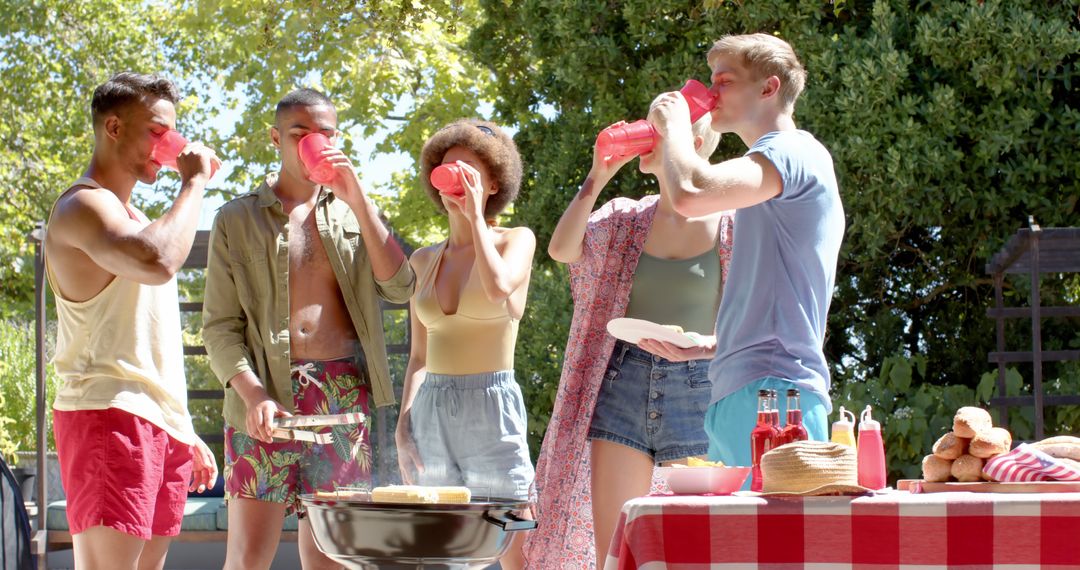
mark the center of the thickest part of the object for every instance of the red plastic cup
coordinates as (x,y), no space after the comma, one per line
(447,179)
(168,148)
(699,98)
(639,137)
(310,147)
(630,139)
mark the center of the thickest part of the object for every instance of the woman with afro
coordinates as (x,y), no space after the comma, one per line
(462,416)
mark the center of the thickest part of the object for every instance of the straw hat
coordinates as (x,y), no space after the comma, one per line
(811,468)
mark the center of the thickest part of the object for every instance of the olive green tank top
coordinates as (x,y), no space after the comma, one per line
(683,292)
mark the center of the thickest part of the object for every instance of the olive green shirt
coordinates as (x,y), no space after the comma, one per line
(246,305)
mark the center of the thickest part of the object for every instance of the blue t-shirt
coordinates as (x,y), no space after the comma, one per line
(783,268)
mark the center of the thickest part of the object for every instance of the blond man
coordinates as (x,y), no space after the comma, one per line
(789,224)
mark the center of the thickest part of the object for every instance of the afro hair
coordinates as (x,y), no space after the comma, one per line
(491,144)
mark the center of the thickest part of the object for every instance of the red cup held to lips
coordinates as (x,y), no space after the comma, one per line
(168,148)
(446,178)
(639,137)
(630,139)
(699,98)
(310,147)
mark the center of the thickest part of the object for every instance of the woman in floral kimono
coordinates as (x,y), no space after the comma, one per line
(622,408)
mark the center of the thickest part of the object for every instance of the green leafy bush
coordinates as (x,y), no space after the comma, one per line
(915,413)
(17,365)
(540,346)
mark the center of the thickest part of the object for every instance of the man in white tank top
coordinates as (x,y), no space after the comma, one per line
(128,452)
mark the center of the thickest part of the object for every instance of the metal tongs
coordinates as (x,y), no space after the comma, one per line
(284,427)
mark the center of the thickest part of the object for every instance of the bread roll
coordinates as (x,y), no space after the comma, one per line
(936,469)
(950,446)
(991,442)
(1059,447)
(967,468)
(970,420)
(1059,439)
(1070,462)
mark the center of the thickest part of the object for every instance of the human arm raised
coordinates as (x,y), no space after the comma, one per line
(98,224)
(569,235)
(699,188)
(501,273)
(386,256)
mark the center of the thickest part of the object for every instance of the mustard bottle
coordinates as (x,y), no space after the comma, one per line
(843,430)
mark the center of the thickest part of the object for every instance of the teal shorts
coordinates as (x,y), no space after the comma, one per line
(729,421)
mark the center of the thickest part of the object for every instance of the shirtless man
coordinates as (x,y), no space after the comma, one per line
(292,326)
(128,452)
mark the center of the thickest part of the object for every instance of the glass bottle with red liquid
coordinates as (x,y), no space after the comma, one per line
(774,413)
(763,437)
(794,430)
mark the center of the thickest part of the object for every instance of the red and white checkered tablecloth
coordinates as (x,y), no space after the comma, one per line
(898,531)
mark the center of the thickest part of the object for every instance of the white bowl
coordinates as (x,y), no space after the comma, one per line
(704,480)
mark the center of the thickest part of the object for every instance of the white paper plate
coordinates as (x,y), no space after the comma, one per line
(633,330)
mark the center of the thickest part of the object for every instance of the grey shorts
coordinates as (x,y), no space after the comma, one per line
(471,430)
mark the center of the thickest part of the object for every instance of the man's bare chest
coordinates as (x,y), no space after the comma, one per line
(306,248)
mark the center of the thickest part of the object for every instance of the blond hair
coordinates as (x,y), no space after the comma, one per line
(710,139)
(763,56)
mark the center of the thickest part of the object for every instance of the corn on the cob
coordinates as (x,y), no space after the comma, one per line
(420,494)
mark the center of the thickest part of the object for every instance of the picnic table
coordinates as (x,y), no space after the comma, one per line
(895,530)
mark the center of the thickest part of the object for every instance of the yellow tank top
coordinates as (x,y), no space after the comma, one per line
(478,338)
(123,349)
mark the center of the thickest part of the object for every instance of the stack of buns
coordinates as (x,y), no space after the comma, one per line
(960,454)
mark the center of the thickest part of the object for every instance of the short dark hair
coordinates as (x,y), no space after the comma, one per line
(490,144)
(303,97)
(129,87)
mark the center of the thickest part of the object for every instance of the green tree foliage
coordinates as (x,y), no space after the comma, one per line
(394,65)
(52,55)
(949,123)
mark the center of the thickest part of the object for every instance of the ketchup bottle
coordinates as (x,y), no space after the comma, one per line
(871,451)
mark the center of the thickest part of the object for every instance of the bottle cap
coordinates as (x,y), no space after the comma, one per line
(867,421)
(844,424)
(762,392)
(792,392)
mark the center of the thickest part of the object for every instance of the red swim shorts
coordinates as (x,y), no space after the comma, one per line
(122,472)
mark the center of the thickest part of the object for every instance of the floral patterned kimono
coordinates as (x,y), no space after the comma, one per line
(600,285)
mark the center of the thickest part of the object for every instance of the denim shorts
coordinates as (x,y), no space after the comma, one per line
(653,405)
(470,430)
